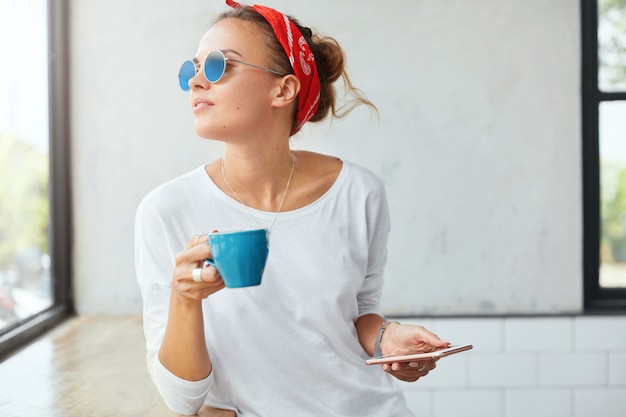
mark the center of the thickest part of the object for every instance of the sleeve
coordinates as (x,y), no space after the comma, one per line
(154,264)
(378,228)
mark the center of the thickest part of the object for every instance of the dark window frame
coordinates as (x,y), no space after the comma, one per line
(596,298)
(26,330)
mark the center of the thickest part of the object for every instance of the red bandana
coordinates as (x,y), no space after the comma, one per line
(304,68)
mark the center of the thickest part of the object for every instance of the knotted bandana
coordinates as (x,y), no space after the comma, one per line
(300,56)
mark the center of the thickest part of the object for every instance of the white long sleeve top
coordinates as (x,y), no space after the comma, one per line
(288,347)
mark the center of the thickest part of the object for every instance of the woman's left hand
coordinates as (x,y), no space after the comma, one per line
(409,338)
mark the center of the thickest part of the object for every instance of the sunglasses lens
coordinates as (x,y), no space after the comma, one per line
(214,66)
(186,73)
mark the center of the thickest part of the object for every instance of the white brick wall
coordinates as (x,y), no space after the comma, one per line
(521,367)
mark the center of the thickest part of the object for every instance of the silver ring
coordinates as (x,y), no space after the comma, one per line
(421,369)
(196,274)
(198,239)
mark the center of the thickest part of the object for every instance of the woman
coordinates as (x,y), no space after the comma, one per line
(296,344)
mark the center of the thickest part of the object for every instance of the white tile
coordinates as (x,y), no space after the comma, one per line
(538,334)
(420,402)
(484,333)
(467,403)
(617,368)
(503,370)
(538,403)
(600,333)
(570,369)
(600,402)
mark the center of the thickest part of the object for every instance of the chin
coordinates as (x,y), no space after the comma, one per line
(220,132)
(203,134)
(208,131)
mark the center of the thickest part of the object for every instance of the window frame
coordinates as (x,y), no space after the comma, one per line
(596,298)
(59,193)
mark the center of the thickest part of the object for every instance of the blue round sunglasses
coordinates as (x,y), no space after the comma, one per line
(214,68)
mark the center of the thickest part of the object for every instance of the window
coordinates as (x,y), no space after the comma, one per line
(34,177)
(604,152)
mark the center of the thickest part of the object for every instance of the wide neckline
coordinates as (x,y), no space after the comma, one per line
(345,166)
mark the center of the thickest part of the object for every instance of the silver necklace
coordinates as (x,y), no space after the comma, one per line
(282,200)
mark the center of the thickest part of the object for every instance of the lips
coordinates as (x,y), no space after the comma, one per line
(200,104)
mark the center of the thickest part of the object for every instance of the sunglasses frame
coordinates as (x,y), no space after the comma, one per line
(218,55)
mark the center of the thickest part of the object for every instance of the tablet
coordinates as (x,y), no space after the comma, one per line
(414,357)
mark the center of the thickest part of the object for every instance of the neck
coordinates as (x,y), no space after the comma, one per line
(260,181)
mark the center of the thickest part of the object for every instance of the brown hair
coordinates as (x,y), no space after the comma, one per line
(329,58)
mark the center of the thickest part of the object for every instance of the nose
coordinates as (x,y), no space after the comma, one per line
(199,81)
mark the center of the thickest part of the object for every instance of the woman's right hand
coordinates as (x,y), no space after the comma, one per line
(187,260)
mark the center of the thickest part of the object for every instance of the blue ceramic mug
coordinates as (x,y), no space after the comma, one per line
(239,256)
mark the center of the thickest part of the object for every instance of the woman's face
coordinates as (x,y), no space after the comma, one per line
(240,102)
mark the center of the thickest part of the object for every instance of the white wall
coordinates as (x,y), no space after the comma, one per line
(478,141)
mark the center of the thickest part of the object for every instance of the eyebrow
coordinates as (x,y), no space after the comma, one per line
(230,50)
(224,51)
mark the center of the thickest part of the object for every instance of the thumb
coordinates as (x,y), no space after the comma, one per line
(434,340)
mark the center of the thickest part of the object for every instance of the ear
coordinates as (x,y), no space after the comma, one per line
(286,91)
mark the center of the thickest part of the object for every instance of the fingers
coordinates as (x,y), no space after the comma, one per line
(198,282)
(437,342)
(410,338)
(196,251)
(193,277)
(206,273)
(423,340)
(431,338)
(410,371)
(419,366)
(197,240)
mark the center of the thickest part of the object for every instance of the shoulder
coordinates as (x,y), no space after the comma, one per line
(361,175)
(172,194)
(331,168)
(342,177)
(357,180)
